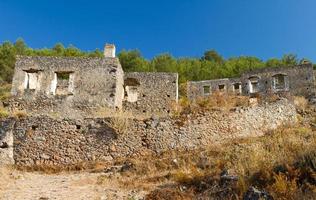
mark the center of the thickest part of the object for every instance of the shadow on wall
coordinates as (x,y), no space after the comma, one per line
(102,130)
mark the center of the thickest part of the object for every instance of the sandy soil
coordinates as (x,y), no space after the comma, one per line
(18,185)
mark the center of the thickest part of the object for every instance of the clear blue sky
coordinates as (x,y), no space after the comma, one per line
(262,28)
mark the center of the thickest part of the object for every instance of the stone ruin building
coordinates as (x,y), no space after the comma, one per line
(60,95)
(73,87)
(296,80)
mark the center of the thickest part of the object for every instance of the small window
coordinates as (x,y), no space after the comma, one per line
(237,88)
(221,87)
(131,86)
(253,84)
(279,82)
(31,79)
(131,93)
(206,89)
(63,83)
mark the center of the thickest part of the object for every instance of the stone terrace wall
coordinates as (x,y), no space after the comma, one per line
(39,140)
(156,92)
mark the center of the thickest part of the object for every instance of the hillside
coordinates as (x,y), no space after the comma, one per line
(278,165)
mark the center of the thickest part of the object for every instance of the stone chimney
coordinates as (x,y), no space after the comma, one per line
(109,51)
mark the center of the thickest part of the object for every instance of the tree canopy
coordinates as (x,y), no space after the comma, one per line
(211,65)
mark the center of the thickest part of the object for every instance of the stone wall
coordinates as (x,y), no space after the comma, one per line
(295,80)
(300,80)
(44,140)
(152,92)
(198,89)
(6,142)
(69,81)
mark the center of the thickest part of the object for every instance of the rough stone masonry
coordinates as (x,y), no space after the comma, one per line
(45,140)
(60,94)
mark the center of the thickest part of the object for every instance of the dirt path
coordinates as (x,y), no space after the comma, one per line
(64,186)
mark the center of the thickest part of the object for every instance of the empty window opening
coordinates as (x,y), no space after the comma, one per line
(237,88)
(221,87)
(131,93)
(31,80)
(253,84)
(131,89)
(206,90)
(280,82)
(63,83)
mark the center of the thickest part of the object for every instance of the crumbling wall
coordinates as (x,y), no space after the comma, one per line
(69,81)
(150,92)
(198,89)
(6,142)
(44,140)
(295,80)
(299,79)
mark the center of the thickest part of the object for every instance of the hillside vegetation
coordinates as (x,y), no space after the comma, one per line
(211,65)
(281,164)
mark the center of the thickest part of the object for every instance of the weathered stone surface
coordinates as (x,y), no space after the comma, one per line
(6,142)
(83,81)
(297,80)
(61,141)
(156,92)
(77,87)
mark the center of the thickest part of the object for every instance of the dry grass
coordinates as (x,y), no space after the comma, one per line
(5,91)
(3,113)
(180,107)
(300,102)
(120,124)
(281,162)
(119,120)
(223,101)
(218,100)
(53,169)
(19,114)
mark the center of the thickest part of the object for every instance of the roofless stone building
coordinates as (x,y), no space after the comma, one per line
(295,80)
(74,86)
